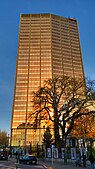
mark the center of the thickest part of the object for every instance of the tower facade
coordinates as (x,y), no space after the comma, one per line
(48,46)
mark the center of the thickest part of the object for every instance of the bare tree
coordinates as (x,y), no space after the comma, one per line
(67,98)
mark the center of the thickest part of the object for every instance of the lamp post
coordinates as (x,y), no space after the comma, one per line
(8,140)
(19,143)
(29,147)
(45,150)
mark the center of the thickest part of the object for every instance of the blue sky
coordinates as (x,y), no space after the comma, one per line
(10,10)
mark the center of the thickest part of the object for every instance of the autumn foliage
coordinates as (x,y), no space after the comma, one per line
(84,127)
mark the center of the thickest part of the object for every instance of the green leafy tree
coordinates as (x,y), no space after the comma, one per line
(47,138)
(4,140)
(66,98)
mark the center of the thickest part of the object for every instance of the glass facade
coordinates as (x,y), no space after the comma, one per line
(48,46)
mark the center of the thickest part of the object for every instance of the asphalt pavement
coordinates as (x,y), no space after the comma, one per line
(59,164)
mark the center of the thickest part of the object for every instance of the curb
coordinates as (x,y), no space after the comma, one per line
(45,167)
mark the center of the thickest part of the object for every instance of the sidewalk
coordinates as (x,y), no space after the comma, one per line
(60,164)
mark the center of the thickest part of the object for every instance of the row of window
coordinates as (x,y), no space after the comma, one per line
(35,56)
(36,66)
(38,25)
(64,27)
(47,17)
(19,104)
(35,19)
(64,39)
(35,78)
(33,28)
(36,22)
(64,21)
(25,39)
(31,71)
(35,74)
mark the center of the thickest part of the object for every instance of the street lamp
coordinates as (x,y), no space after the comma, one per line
(8,140)
(29,147)
(19,143)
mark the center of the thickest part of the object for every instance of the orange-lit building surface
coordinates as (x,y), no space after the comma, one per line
(48,46)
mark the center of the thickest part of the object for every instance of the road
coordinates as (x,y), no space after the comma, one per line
(11,164)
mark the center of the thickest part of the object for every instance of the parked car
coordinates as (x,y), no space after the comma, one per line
(28,159)
(3,156)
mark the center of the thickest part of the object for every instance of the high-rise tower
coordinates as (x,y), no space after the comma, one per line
(48,46)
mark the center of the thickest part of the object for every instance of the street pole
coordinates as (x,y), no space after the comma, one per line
(52,156)
(52,148)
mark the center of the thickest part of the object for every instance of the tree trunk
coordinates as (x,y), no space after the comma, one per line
(64,140)
(56,129)
(56,134)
